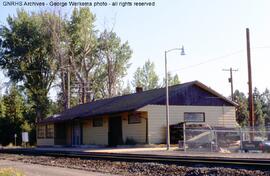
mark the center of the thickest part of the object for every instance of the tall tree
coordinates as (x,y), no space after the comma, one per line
(83,51)
(56,25)
(12,119)
(26,56)
(115,57)
(146,76)
(172,80)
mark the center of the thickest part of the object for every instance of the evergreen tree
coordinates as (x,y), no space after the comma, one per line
(258,111)
(242,109)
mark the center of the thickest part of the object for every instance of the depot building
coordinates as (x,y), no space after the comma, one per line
(138,118)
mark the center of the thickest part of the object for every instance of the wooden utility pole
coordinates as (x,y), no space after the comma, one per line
(250,97)
(231,79)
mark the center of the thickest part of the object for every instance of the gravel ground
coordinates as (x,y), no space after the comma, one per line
(131,168)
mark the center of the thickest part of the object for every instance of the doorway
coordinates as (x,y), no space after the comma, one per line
(77,134)
(115,131)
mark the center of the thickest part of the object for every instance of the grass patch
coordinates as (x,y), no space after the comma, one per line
(10,172)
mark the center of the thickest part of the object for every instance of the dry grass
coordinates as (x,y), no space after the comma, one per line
(9,172)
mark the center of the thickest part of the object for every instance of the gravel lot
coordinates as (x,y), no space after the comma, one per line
(130,168)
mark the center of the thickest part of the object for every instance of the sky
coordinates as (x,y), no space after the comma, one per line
(212,32)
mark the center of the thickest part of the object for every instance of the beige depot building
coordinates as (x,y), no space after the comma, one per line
(138,117)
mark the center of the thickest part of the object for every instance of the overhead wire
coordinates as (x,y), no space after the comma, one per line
(218,58)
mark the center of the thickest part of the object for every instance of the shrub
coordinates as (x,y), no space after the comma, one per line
(130,141)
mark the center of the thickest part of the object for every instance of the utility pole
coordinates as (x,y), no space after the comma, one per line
(250,97)
(231,79)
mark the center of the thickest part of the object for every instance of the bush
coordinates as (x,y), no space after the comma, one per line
(130,141)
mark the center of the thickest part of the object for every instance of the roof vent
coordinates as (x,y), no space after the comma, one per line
(139,89)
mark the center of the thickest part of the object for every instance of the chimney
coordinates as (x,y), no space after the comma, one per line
(139,89)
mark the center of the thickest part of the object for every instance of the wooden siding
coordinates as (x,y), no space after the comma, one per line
(99,135)
(214,116)
(136,131)
(95,135)
(45,141)
(193,96)
(69,133)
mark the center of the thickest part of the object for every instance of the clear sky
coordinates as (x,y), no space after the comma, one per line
(213,33)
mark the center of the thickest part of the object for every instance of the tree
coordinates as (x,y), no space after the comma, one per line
(146,76)
(115,57)
(265,97)
(26,56)
(12,120)
(172,80)
(258,104)
(83,51)
(127,89)
(242,109)
(2,107)
(57,27)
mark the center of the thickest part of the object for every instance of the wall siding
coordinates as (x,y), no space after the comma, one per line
(95,135)
(134,131)
(45,141)
(99,135)
(214,116)
(69,134)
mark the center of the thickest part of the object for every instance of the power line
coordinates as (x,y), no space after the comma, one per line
(209,60)
(218,58)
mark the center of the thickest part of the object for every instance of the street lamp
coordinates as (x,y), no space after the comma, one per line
(167,93)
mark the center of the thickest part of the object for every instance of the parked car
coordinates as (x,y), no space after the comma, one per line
(265,146)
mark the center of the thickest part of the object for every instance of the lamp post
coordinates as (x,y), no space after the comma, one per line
(167,94)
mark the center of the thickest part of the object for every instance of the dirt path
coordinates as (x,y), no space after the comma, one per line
(40,170)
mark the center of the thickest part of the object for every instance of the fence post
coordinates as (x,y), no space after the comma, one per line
(241,140)
(216,141)
(184,136)
(211,140)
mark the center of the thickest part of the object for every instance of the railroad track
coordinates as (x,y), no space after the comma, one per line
(247,163)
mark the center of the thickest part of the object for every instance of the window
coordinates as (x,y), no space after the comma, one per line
(194,117)
(41,131)
(134,118)
(98,122)
(49,131)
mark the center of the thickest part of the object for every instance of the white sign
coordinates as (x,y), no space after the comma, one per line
(25,137)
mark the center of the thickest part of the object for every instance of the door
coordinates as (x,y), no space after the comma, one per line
(76,137)
(115,131)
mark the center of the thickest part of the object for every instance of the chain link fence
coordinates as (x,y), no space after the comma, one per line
(225,140)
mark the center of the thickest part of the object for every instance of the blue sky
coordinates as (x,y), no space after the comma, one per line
(213,33)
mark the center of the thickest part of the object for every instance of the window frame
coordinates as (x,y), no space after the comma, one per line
(41,130)
(134,115)
(97,122)
(194,121)
(49,134)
